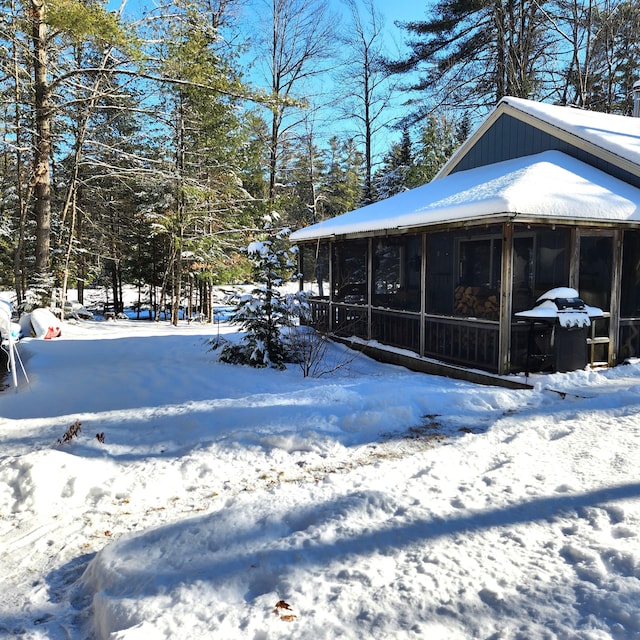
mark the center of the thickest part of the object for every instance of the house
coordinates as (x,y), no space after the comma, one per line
(538,197)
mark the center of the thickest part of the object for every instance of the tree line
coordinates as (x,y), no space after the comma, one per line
(145,145)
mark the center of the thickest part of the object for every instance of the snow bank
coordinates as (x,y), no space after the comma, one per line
(49,482)
(229,502)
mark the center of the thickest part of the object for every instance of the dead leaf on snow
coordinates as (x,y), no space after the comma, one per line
(288,618)
(282,605)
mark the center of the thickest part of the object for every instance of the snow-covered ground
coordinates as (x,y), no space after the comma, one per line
(205,500)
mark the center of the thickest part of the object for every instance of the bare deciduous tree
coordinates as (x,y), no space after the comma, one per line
(298,45)
(366,87)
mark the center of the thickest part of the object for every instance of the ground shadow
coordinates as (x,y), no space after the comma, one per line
(259,553)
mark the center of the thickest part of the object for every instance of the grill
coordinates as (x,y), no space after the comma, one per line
(558,332)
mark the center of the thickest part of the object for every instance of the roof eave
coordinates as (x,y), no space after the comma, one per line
(490,219)
(479,221)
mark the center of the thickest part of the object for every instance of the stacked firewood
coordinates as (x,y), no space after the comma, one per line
(477,302)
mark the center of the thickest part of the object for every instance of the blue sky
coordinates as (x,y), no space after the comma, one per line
(398,10)
(403,10)
(392,12)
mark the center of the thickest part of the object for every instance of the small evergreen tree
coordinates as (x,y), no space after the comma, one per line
(264,311)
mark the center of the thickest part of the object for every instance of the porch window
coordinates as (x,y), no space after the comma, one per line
(396,272)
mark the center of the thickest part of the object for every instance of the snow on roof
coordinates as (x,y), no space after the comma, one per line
(617,134)
(547,185)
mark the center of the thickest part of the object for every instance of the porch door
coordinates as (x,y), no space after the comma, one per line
(596,285)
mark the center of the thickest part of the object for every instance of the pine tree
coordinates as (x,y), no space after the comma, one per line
(344,180)
(202,200)
(474,53)
(393,176)
(439,138)
(408,165)
(75,21)
(264,311)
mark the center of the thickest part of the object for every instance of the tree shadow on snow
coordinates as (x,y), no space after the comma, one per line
(258,554)
(65,612)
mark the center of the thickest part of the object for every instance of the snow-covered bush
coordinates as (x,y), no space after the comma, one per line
(266,309)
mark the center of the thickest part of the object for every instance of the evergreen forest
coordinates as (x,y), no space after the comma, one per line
(143,144)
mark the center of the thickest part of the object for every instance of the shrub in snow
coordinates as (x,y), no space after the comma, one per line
(71,433)
(266,309)
(309,349)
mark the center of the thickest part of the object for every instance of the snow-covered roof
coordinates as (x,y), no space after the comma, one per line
(548,185)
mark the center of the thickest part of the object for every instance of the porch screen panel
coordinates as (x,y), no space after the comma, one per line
(477,291)
(350,272)
(596,269)
(523,272)
(630,294)
(552,260)
(315,269)
(629,339)
(396,272)
(440,273)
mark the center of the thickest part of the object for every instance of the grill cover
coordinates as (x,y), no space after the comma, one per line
(563,305)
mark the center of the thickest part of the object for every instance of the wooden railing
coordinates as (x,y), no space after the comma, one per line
(350,320)
(396,328)
(320,312)
(464,341)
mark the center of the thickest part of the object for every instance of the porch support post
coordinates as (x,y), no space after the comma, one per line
(616,287)
(574,260)
(330,323)
(369,285)
(506,287)
(423,292)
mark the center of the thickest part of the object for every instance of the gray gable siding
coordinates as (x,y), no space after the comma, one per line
(509,138)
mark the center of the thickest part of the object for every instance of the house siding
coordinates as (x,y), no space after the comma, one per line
(510,138)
